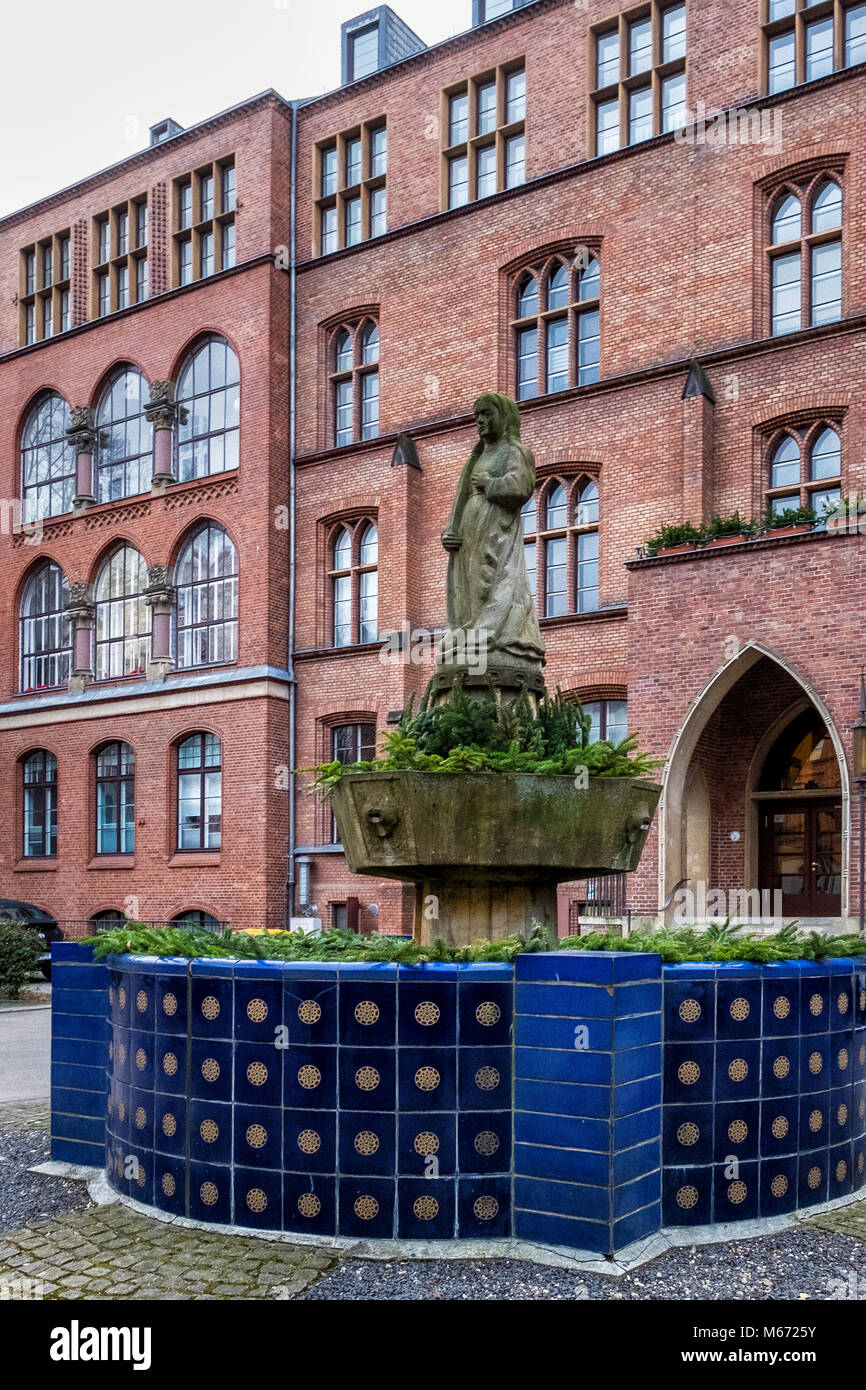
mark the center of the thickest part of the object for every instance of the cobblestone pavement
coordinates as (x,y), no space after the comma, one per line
(25,1114)
(112,1252)
(847,1221)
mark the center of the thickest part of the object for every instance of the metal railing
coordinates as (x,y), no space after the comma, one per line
(603,900)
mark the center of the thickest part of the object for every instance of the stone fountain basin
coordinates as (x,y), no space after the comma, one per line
(515,827)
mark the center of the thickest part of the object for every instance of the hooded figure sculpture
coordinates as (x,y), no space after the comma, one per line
(488,588)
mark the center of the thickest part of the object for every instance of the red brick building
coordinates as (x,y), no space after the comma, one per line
(646,235)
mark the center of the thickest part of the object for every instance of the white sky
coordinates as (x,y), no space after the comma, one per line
(82,83)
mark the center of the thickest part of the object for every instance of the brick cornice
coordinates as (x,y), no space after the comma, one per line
(739,548)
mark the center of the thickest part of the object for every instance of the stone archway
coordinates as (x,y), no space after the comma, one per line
(683,812)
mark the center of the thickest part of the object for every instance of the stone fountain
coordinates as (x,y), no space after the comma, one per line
(486,850)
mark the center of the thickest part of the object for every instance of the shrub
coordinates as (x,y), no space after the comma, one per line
(20,949)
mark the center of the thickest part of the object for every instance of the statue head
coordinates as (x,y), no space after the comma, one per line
(497,417)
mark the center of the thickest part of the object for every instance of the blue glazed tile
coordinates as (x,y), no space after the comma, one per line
(841,1058)
(368,1013)
(562,1165)
(555,1098)
(813,1178)
(841,1171)
(426,1144)
(141,1114)
(566,967)
(210,1132)
(858,1106)
(485,1014)
(171,1004)
(374,972)
(485,970)
(139,1166)
(142,1000)
(303,973)
(843,965)
(630,966)
(780,1066)
(211,1070)
(366,1207)
(310,1012)
(171,965)
(859,1054)
(637,1063)
(88,1052)
(859,991)
(169,1184)
(258,1010)
(689,1010)
(736,1198)
(814,1063)
(483,1078)
(118,1053)
(68,976)
(309,1204)
(76,1151)
(211,1011)
(634,1096)
(639,1030)
(634,1163)
(170,1124)
(814,1131)
(593,1035)
(637,1129)
(426,1208)
(543,1229)
(858,1163)
(637,998)
(368,1079)
(562,1198)
(427,1079)
(688,1134)
(738,1070)
(71,950)
(258,1199)
(639,1192)
(265,970)
(738,1008)
(433,970)
(484,1142)
(637,1226)
(814,1004)
(90,1002)
(213,969)
(780,1126)
(427,1014)
(310,1140)
(737,1130)
(258,1140)
(142,1055)
(210,1193)
(690,970)
(118,998)
(777,1182)
(841,1004)
(310,1078)
(92,1104)
(781,1005)
(549,1064)
(483,1208)
(76,1077)
(687,1196)
(82,1026)
(367,1144)
(842,1115)
(170,1065)
(563,1132)
(258,1073)
(84,1128)
(688,1074)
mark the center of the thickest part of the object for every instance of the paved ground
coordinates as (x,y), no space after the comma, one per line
(25,1053)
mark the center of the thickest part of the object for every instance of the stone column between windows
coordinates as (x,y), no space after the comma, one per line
(159,595)
(162,412)
(82,436)
(80,610)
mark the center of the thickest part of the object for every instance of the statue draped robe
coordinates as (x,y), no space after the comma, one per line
(488,588)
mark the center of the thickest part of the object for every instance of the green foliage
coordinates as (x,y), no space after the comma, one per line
(723,942)
(20,949)
(468,735)
(135,939)
(687,533)
(791,516)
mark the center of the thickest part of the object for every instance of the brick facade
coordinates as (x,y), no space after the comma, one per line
(680,233)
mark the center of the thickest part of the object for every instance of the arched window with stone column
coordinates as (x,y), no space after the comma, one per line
(122,630)
(48,467)
(45,635)
(124,461)
(206,578)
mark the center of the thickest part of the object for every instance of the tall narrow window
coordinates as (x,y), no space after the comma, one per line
(586,519)
(558,327)
(206,576)
(48,459)
(805,470)
(369,585)
(855,35)
(115,799)
(199,793)
(810,243)
(125,452)
(562,552)
(355,584)
(40,805)
(45,633)
(355,383)
(208,393)
(342,588)
(122,634)
(351,743)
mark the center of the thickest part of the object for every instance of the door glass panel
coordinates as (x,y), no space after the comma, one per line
(828,851)
(789,851)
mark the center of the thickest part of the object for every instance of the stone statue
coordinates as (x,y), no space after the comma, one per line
(488,589)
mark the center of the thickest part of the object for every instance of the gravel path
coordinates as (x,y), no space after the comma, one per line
(24,1196)
(802,1263)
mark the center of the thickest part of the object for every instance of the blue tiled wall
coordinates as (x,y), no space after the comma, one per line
(587,1099)
(764,1088)
(79,1055)
(464,1101)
